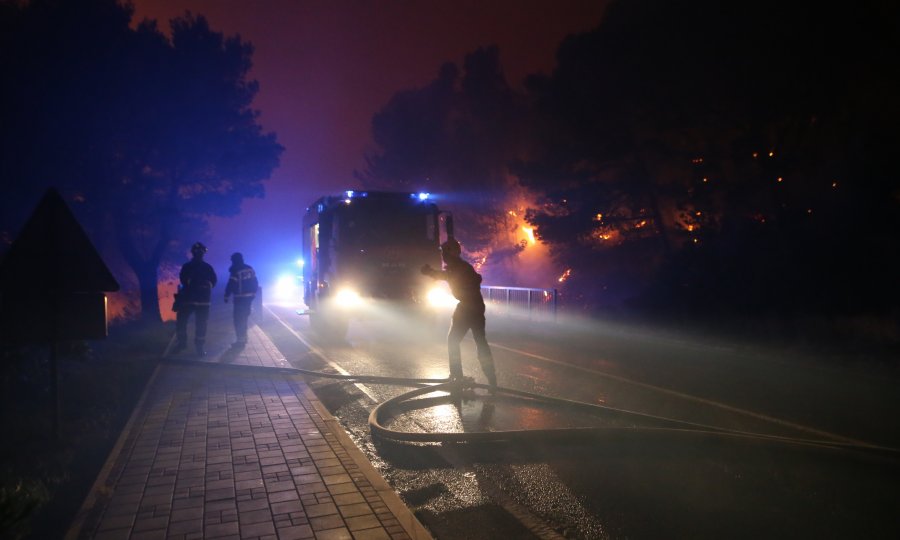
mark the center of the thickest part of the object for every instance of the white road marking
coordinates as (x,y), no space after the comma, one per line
(321,354)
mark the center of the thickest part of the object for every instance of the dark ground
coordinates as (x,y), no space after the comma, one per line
(43,480)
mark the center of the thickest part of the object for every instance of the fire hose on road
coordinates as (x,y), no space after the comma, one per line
(669,427)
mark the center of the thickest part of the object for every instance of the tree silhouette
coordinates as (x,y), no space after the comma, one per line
(147,135)
(713,153)
(455,137)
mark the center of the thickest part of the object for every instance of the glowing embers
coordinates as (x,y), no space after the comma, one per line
(606,235)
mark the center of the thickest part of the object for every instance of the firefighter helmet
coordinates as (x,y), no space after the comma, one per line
(237,257)
(451,247)
(198,249)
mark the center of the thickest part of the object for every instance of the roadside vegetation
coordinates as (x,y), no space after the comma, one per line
(750,187)
(44,478)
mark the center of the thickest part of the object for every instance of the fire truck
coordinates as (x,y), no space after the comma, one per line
(362,247)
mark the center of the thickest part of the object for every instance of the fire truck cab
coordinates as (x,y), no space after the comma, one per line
(365,246)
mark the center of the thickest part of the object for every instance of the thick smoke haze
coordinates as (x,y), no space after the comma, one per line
(325,68)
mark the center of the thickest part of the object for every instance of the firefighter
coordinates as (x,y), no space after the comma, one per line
(197,280)
(465,284)
(242,284)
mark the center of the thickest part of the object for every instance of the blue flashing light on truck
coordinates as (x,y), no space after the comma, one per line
(365,246)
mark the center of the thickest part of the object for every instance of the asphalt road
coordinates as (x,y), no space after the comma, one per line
(648,483)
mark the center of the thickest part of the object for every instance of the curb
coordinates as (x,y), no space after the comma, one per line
(404,515)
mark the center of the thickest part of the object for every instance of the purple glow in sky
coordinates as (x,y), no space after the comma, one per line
(326,67)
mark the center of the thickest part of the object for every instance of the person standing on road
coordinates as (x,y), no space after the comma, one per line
(242,284)
(465,284)
(197,280)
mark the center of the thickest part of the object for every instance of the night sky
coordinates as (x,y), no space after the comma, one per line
(325,68)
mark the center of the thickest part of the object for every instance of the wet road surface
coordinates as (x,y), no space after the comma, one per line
(644,483)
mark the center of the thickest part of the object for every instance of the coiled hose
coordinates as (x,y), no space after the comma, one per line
(668,426)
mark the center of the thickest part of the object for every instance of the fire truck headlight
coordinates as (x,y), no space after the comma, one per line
(286,288)
(347,298)
(438,296)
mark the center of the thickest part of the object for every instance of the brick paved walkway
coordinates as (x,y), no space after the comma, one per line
(219,450)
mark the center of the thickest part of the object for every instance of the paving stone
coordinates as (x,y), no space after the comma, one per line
(158,534)
(338,489)
(255,516)
(257,529)
(187,514)
(186,527)
(362,522)
(334,534)
(304,469)
(349,498)
(308,478)
(282,496)
(217,452)
(153,500)
(336,479)
(315,487)
(280,485)
(223,529)
(316,510)
(295,532)
(251,484)
(326,522)
(352,510)
(371,534)
(287,507)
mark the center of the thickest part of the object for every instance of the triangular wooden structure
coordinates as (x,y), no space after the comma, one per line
(53,253)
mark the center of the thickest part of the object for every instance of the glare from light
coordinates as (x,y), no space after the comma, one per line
(349,193)
(300,262)
(446,413)
(424,196)
(439,296)
(347,298)
(529,232)
(286,288)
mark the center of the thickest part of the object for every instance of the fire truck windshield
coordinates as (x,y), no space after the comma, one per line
(364,225)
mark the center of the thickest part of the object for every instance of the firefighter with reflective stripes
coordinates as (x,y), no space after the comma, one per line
(465,284)
(242,284)
(197,280)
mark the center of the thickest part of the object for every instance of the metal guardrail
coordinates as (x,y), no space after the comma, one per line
(521,302)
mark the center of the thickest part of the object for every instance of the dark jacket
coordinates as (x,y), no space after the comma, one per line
(197,280)
(242,282)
